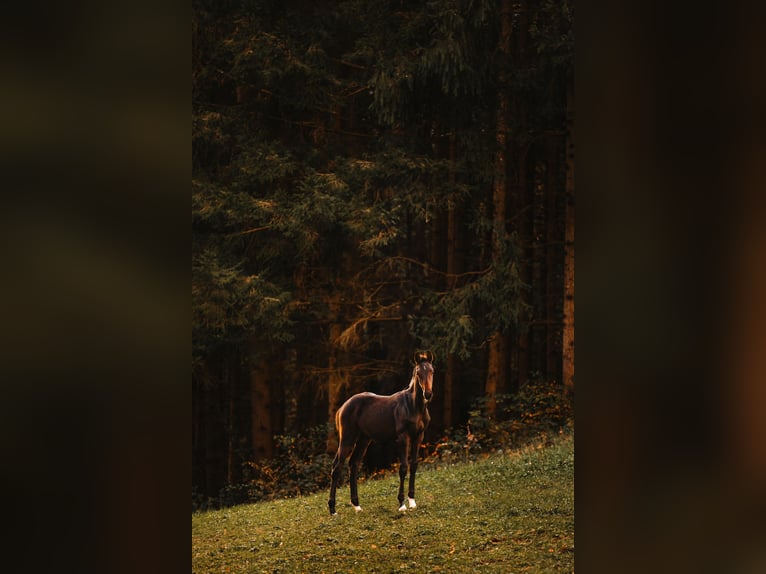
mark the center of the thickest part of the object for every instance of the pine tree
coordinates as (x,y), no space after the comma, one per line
(350,203)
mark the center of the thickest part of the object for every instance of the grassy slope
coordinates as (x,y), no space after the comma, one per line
(507,513)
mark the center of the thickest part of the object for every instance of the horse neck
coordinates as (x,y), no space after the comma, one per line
(416,394)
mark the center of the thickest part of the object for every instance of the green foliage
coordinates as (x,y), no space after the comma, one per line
(262,167)
(464,316)
(460,36)
(436,57)
(537,412)
(276,189)
(552,29)
(301,466)
(228,304)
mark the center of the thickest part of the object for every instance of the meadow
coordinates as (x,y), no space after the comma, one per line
(510,511)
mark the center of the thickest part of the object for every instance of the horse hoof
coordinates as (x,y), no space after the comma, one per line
(334,514)
(412,503)
(402,508)
(358,508)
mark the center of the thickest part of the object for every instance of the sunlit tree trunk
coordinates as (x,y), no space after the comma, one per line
(497,366)
(337,375)
(568,366)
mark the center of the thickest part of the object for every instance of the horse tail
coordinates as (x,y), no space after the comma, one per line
(338,425)
(341,417)
(337,418)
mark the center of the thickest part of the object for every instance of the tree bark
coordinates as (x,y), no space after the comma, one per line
(232,381)
(552,255)
(261,405)
(524,197)
(214,442)
(523,212)
(568,366)
(337,378)
(497,371)
(454,267)
(498,343)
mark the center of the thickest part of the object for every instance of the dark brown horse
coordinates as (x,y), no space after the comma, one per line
(368,417)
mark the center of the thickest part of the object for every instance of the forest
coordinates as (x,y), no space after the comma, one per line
(371,178)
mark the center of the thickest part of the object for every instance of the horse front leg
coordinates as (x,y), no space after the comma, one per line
(403,443)
(414,449)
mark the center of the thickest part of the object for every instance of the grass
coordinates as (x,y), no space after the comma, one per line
(507,513)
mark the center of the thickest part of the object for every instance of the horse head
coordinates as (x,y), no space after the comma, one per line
(424,372)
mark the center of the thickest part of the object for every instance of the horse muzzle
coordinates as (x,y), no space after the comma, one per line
(428,395)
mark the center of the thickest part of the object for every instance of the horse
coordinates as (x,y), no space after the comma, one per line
(367,417)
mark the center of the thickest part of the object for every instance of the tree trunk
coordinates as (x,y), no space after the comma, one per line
(337,378)
(213,436)
(552,250)
(261,405)
(568,366)
(232,380)
(498,342)
(523,199)
(524,214)
(454,267)
(497,371)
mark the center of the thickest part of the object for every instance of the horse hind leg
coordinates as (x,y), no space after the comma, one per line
(354,462)
(344,449)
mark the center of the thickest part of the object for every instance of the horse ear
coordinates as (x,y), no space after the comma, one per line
(423,356)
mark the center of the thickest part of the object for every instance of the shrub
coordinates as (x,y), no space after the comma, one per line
(537,411)
(301,466)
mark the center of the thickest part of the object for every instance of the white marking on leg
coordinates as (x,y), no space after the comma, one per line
(334,514)
(412,503)
(402,508)
(358,508)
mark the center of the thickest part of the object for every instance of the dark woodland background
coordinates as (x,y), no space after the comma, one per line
(670,466)
(370,179)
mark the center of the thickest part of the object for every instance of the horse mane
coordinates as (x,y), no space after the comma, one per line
(409,387)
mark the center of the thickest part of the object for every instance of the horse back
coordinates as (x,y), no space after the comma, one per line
(368,414)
